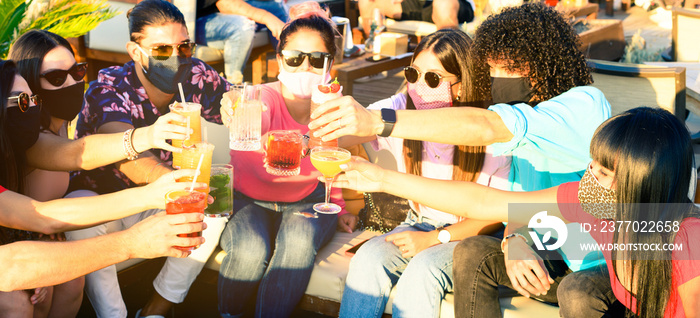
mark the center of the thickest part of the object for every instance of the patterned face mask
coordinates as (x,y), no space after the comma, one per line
(425,97)
(596,199)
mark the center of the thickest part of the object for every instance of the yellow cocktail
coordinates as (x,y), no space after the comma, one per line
(327,160)
(192,112)
(190,160)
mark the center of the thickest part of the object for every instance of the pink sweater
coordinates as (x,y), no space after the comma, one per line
(250,177)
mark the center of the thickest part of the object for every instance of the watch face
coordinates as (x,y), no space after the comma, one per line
(444,236)
(388,115)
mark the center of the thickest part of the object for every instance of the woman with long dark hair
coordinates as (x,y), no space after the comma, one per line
(641,173)
(29,264)
(417,255)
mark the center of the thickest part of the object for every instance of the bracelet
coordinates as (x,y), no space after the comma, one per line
(148,177)
(503,242)
(129,150)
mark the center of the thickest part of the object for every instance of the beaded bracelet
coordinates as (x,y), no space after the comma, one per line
(129,149)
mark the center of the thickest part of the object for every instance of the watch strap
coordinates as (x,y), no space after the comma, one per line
(388,123)
(511,235)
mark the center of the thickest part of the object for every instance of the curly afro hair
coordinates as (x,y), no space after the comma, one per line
(536,40)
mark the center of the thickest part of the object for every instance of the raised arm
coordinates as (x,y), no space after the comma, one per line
(21,212)
(60,154)
(31,264)
(454,125)
(466,199)
(261,16)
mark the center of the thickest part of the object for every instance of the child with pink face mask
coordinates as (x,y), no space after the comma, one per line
(417,255)
(270,248)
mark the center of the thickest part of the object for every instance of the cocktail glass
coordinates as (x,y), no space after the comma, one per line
(283,152)
(192,112)
(244,130)
(177,202)
(327,160)
(190,160)
(221,189)
(318,98)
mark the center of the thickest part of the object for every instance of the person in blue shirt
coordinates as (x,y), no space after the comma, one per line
(543,115)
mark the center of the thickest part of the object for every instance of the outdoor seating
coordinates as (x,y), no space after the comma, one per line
(685,46)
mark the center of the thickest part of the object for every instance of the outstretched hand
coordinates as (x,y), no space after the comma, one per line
(165,128)
(344,116)
(360,175)
(156,235)
(157,190)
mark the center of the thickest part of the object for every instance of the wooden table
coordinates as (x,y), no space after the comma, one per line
(354,68)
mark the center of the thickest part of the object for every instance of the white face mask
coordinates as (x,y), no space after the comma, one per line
(301,83)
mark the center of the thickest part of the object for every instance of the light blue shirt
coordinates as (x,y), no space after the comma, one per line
(551,146)
(551,141)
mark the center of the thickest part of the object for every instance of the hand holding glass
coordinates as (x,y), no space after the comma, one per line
(328,160)
(244,130)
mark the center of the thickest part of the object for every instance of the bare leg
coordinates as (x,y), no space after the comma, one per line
(157,305)
(67,298)
(15,304)
(445,14)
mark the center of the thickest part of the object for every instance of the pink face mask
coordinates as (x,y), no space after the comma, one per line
(425,97)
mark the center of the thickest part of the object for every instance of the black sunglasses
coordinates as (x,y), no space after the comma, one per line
(412,75)
(163,52)
(23,100)
(58,77)
(294,58)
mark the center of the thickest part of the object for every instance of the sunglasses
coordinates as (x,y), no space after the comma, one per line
(163,52)
(23,100)
(412,75)
(294,58)
(58,77)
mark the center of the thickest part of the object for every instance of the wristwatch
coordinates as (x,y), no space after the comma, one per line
(511,235)
(389,119)
(444,235)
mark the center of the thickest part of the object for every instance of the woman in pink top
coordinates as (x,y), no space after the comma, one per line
(271,250)
(633,200)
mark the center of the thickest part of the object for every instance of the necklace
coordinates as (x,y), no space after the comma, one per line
(437,149)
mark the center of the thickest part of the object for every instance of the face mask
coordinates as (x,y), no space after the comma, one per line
(301,83)
(64,103)
(596,199)
(23,127)
(165,74)
(424,97)
(509,90)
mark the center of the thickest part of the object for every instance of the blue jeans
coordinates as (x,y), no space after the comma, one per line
(271,254)
(231,33)
(277,8)
(421,281)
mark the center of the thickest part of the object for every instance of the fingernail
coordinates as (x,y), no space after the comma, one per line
(545,293)
(343,166)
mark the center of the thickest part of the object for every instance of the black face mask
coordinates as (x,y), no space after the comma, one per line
(64,103)
(22,127)
(511,90)
(165,74)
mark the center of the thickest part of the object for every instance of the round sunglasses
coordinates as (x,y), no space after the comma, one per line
(163,52)
(58,77)
(412,75)
(294,58)
(23,100)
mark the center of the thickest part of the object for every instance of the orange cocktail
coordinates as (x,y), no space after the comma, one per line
(327,160)
(177,202)
(192,112)
(190,160)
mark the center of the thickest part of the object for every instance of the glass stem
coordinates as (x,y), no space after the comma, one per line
(329,184)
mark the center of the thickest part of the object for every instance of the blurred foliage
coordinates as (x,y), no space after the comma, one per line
(67,18)
(637,53)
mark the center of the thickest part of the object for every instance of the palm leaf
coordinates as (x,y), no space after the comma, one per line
(11,14)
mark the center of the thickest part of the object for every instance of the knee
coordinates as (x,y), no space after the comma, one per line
(575,295)
(474,249)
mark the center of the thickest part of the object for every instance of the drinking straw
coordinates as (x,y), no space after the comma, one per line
(182,93)
(196,174)
(325,69)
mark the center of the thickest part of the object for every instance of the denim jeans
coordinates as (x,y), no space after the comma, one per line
(271,253)
(479,268)
(231,33)
(421,281)
(588,293)
(277,8)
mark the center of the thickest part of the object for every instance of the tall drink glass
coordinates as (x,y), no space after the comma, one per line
(283,152)
(177,202)
(190,160)
(221,189)
(244,131)
(192,112)
(327,160)
(318,98)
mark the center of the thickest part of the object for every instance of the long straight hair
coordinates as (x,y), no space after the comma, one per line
(29,52)
(453,50)
(651,154)
(12,167)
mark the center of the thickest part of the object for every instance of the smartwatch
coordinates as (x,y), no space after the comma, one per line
(389,119)
(444,235)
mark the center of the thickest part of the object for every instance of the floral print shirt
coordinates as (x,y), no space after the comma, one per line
(118,95)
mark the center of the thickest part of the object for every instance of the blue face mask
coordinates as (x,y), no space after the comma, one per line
(166,74)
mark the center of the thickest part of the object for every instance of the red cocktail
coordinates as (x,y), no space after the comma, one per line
(177,202)
(283,152)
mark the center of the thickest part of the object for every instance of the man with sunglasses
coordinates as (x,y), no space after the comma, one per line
(136,95)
